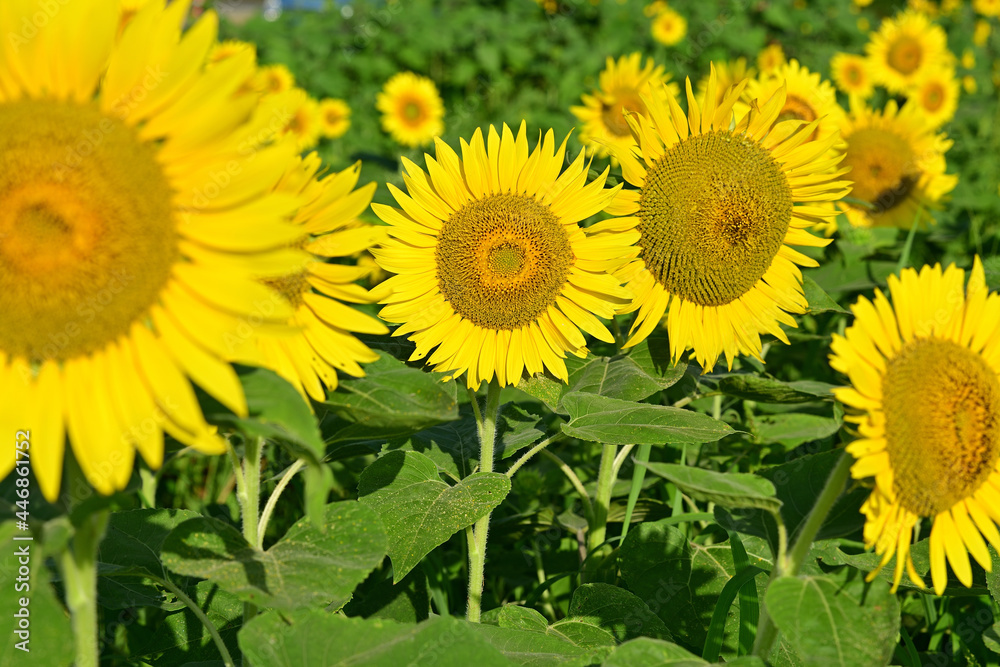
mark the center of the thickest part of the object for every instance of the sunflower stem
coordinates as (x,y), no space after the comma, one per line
(272,501)
(789,565)
(79,569)
(248,493)
(602,498)
(486,421)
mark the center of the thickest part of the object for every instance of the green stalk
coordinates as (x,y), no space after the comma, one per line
(487,426)
(79,569)
(602,498)
(789,565)
(248,493)
(227,659)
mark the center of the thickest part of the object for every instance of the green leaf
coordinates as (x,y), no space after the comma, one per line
(517,428)
(819,301)
(276,412)
(615,422)
(531,648)
(545,389)
(828,623)
(313,638)
(182,638)
(730,490)
(49,633)
(131,545)
(521,618)
(767,390)
(420,511)
(794,428)
(652,356)
(647,652)
(406,602)
(617,377)
(305,568)
(681,581)
(392,400)
(616,610)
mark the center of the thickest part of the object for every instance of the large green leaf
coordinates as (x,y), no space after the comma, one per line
(392,400)
(131,545)
(647,652)
(48,637)
(652,356)
(731,489)
(418,510)
(276,412)
(680,581)
(616,610)
(615,422)
(570,646)
(318,639)
(794,428)
(828,623)
(305,568)
(768,390)
(617,377)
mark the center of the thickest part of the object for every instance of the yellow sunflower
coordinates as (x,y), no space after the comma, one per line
(493,268)
(334,118)
(925,376)
(228,49)
(304,124)
(936,95)
(622,82)
(771,58)
(904,48)
(717,210)
(274,79)
(727,74)
(668,27)
(986,7)
(807,98)
(316,289)
(132,220)
(897,165)
(850,73)
(411,109)
(981,32)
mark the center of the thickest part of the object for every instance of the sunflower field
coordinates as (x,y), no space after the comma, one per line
(619,333)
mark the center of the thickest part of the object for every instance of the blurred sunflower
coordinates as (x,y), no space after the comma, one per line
(274,79)
(228,49)
(316,289)
(622,82)
(668,27)
(304,122)
(334,118)
(904,48)
(493,268)
(128,240)
(728,74)
(770,58)
(411,109)
(897,165)
(936,95)
(981,32)
(850,73)
(925,390)
(717,210)
(807,98)
(986,7)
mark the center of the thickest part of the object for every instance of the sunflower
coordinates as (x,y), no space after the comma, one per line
(622,85)
(717,213)
(334,118)
(411,109)
(274,79)
(771,58)
(807,98)
(936,96)
(132,220)
(493,268)
(326,344)
(981,32)
(897,165)
(228,49)
(850,73)
(925,376)
(668,27)
(304,124)
(904,48)
(727,74)
(986,7)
